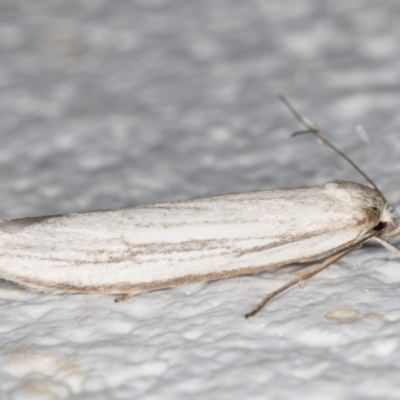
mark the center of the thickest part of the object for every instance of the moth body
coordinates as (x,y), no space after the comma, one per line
(150,247)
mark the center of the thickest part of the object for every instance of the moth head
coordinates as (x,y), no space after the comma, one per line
(389,224)
(377,212)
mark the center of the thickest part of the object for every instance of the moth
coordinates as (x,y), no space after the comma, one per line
(131,250)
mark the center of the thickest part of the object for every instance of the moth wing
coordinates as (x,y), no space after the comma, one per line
(155,246)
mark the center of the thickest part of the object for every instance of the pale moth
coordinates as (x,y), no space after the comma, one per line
(132,250)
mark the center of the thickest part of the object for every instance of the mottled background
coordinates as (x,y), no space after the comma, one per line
(105,104)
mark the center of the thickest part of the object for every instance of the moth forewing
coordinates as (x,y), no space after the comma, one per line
(131,250)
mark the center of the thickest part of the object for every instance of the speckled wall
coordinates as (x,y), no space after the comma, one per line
(105,104)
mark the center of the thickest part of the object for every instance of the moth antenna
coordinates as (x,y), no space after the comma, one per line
(313,128)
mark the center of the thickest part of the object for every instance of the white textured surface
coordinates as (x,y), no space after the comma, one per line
(112,103)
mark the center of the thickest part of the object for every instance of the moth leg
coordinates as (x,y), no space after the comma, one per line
(301,278)
(394,249)
(124,297)
(302,283)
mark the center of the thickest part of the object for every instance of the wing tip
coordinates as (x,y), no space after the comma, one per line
(16,225)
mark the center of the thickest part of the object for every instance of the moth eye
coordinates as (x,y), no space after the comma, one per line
(375,208)
(381,225)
